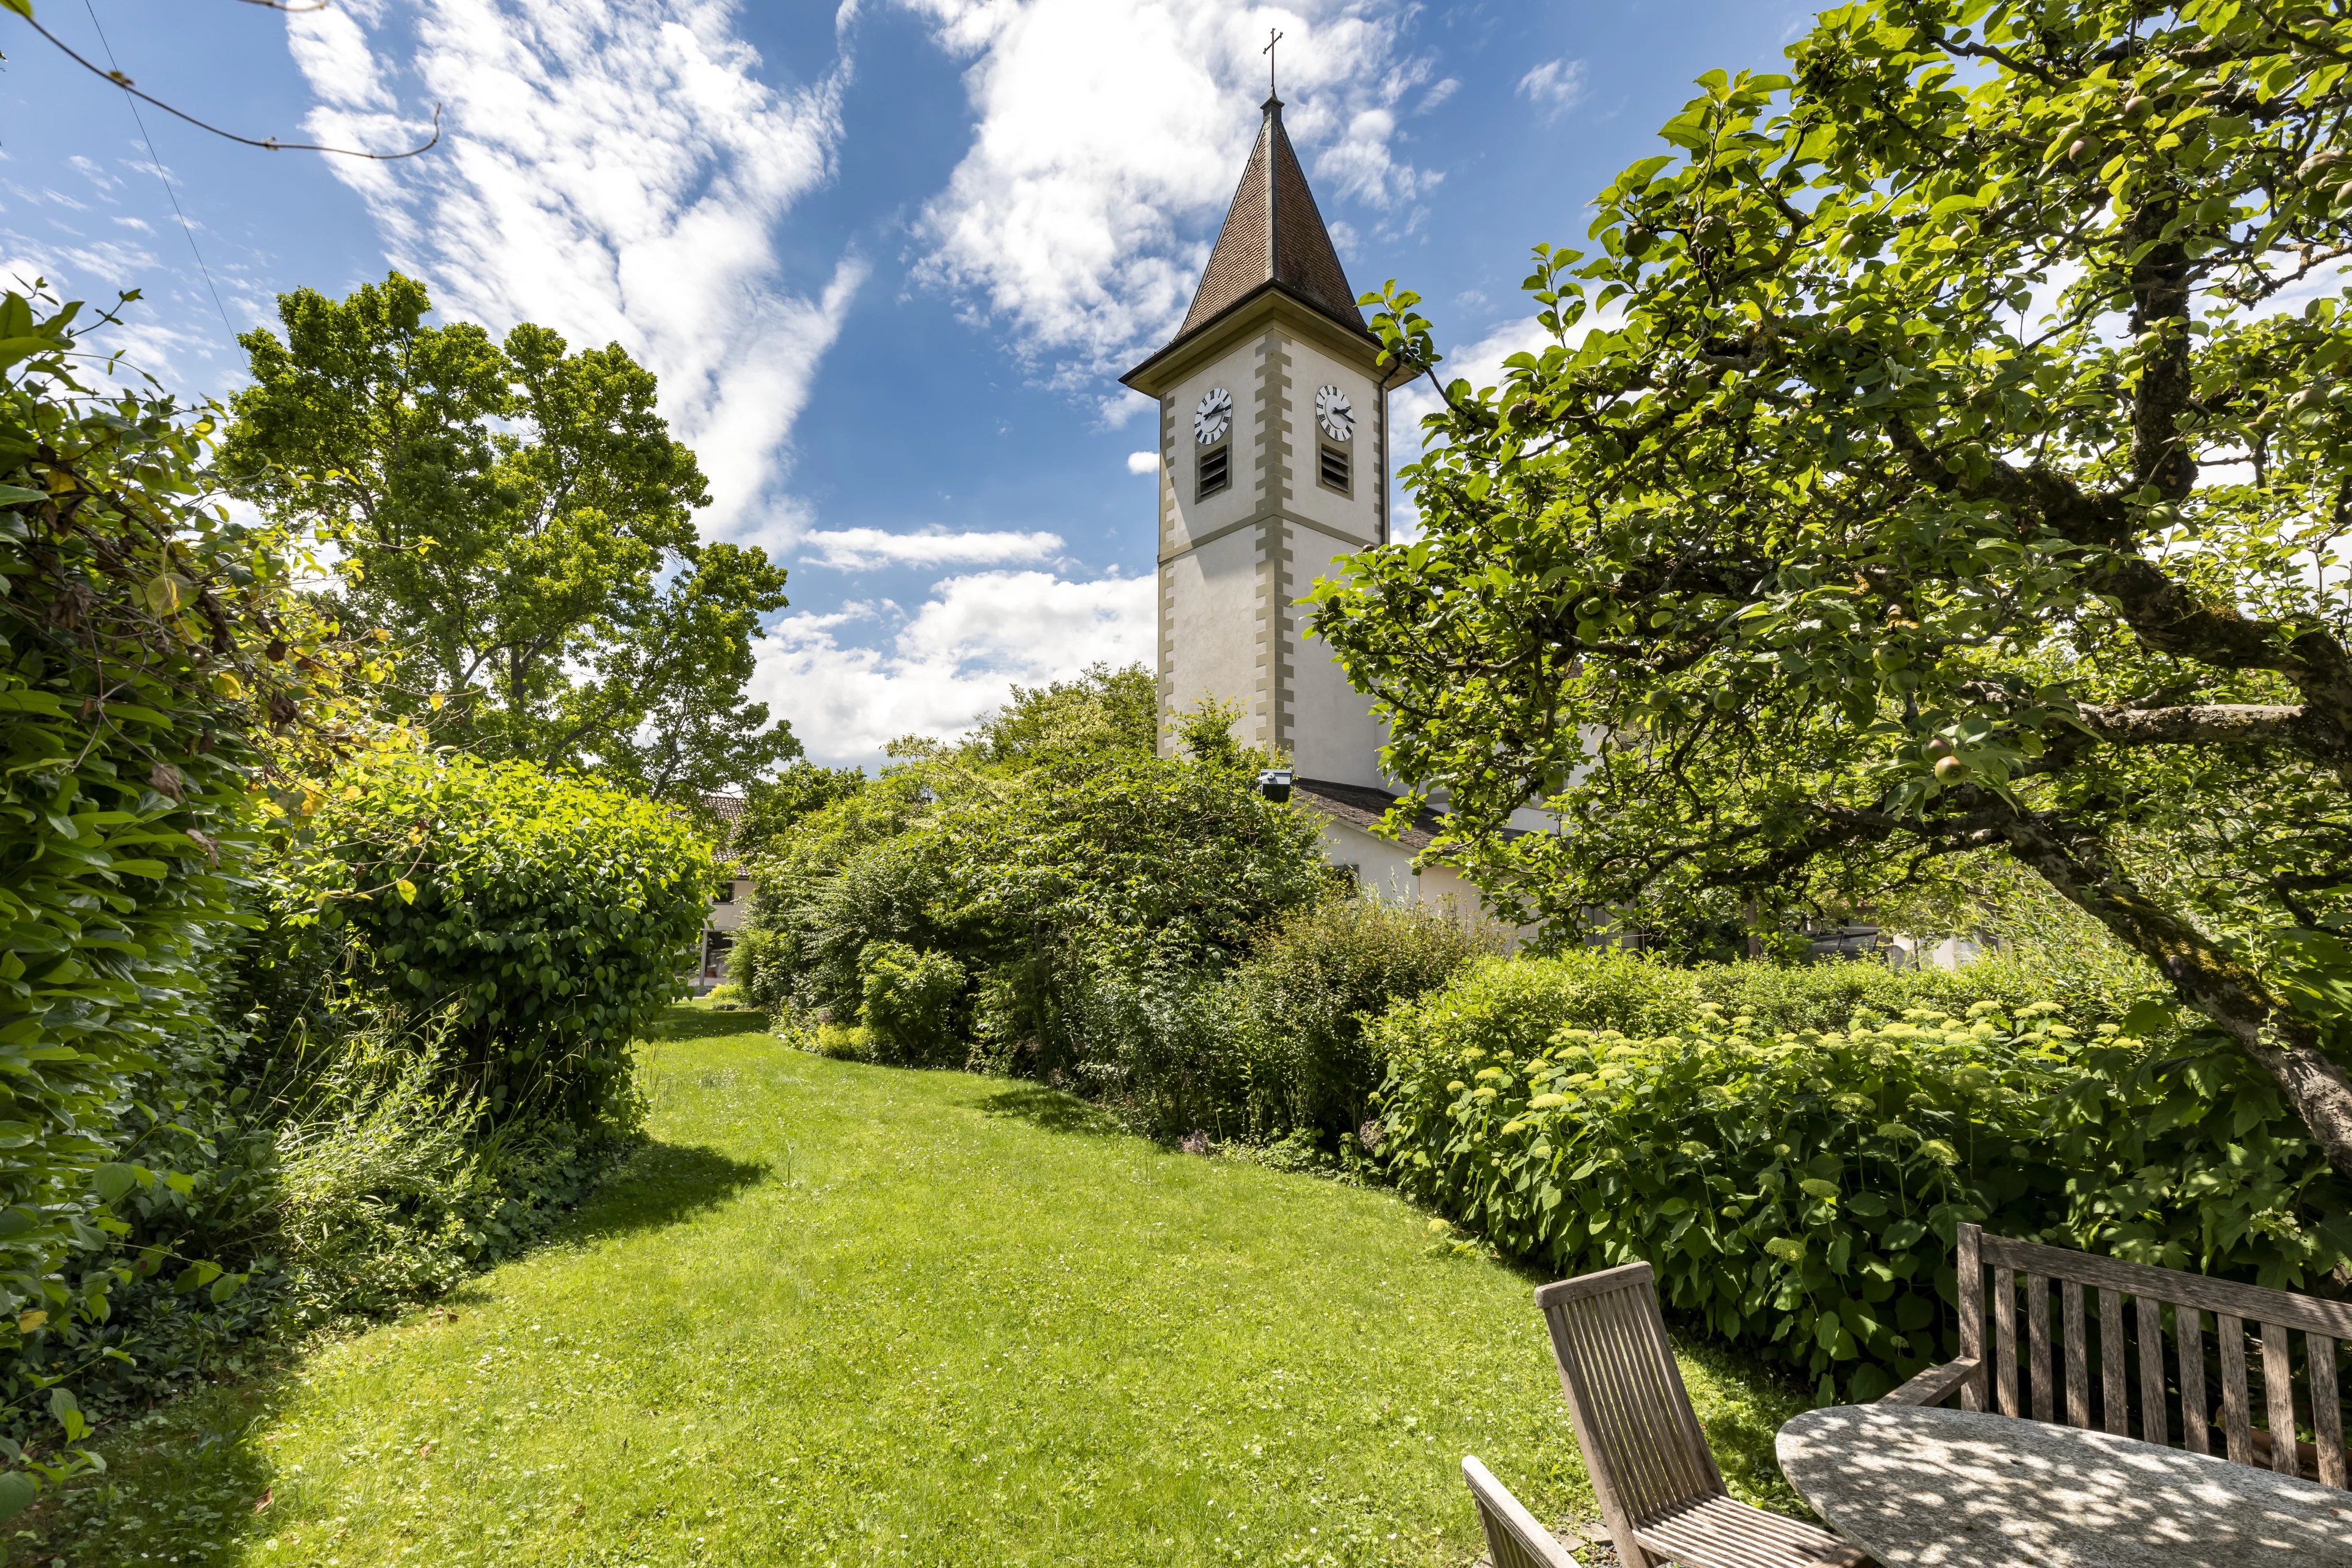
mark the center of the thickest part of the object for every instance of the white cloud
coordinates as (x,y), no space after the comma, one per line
(859,550)
(615,170)
(1556,87)
(951,663)
(1143,463)
(1111,133)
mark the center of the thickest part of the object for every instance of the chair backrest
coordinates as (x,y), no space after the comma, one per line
(1515,1539)
(2172,1407)
(1641,1441)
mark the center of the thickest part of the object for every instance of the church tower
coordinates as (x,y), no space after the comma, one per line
(1274,461)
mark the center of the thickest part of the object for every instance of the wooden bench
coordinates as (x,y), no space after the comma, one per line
(2017,1375)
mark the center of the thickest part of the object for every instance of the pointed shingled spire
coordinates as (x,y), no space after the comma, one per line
(1273,235)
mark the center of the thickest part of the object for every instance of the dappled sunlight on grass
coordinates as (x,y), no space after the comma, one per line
(839,1314)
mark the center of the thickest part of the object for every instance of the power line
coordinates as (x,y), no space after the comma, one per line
(156,163)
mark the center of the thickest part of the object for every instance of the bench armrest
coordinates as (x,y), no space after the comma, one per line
(1936,1385)
(1514,1538)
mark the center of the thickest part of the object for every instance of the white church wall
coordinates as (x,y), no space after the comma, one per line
(1214,586)
(1334,734)
(1383,869)
(1356,515)
(1237,371)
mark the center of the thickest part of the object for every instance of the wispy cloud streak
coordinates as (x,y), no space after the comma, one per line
(616,170)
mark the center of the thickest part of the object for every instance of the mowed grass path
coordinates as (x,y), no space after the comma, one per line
(839,1314)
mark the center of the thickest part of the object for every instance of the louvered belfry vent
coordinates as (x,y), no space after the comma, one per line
(1335,467)
(1216,471)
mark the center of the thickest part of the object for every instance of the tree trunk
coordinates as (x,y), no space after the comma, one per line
(2282,1044)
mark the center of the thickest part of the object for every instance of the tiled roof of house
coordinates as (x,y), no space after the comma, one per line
(1361,806)
(1273,234)
(728,810)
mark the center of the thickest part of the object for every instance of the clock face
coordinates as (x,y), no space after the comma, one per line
(1214,417)
(1334,414)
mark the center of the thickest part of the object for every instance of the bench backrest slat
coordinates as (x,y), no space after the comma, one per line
(2258,1302)
(2326,1408)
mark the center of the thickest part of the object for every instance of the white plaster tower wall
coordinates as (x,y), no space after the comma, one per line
(1273,324)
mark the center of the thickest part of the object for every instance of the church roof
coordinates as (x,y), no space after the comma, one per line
(1273,234)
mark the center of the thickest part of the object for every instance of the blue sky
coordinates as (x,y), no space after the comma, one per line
(889,258)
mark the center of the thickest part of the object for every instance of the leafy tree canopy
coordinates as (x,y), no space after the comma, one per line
(1941,449)
(518,516)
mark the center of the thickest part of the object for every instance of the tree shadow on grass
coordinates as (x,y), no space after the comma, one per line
(706,1023)
(185,1482)
(659,1184)
(1052,1110)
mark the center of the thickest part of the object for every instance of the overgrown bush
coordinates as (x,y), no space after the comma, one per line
(1798,1190)
(1078,882)
(1307,991)
(155,660)
(548,920)
(910,1006)
(2093,982)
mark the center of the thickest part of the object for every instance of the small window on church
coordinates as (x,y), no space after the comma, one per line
(1216,472)
(1335,468)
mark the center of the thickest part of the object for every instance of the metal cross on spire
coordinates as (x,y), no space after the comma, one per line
(1273,37)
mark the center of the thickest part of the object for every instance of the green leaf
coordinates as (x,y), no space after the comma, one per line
(18,1488)
(112,1180)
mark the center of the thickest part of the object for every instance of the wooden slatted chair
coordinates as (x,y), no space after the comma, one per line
(2172,1409)
(1661,1496)
(1514,1537)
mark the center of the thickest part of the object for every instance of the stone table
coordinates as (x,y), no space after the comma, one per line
(1960,1488)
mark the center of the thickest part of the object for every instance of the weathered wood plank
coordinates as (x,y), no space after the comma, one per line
(2326,1408)
(2259,1303)
(1932,1387)
(1969,1263)
(2078,1371)
(2004,1339)
(1515,1539)
(2236,1434)
(2154,1422)
(2037,1327)
(2278,1397)
(2195,1414)
(2115,1403)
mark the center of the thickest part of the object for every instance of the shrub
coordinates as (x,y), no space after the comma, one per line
(909,1007)
(1070,874)
(548,920)
(2092,983)
(842,1042)
(1797,1189)
(1786,1188)
(1163,1049)
(1306,990)
(148,649)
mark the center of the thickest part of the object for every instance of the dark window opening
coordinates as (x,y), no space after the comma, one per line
(1216,471)
(715,946)
(1335,468)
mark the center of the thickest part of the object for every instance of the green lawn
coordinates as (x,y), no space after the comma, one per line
(839,1314)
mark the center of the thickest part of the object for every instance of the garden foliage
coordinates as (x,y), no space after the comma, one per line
(155,664)
(1053,898)
(1923,460)
(544,921)
(515,512)
(1798,1188)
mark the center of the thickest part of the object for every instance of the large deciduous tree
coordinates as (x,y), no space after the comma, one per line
(516,516)
(1942,450)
